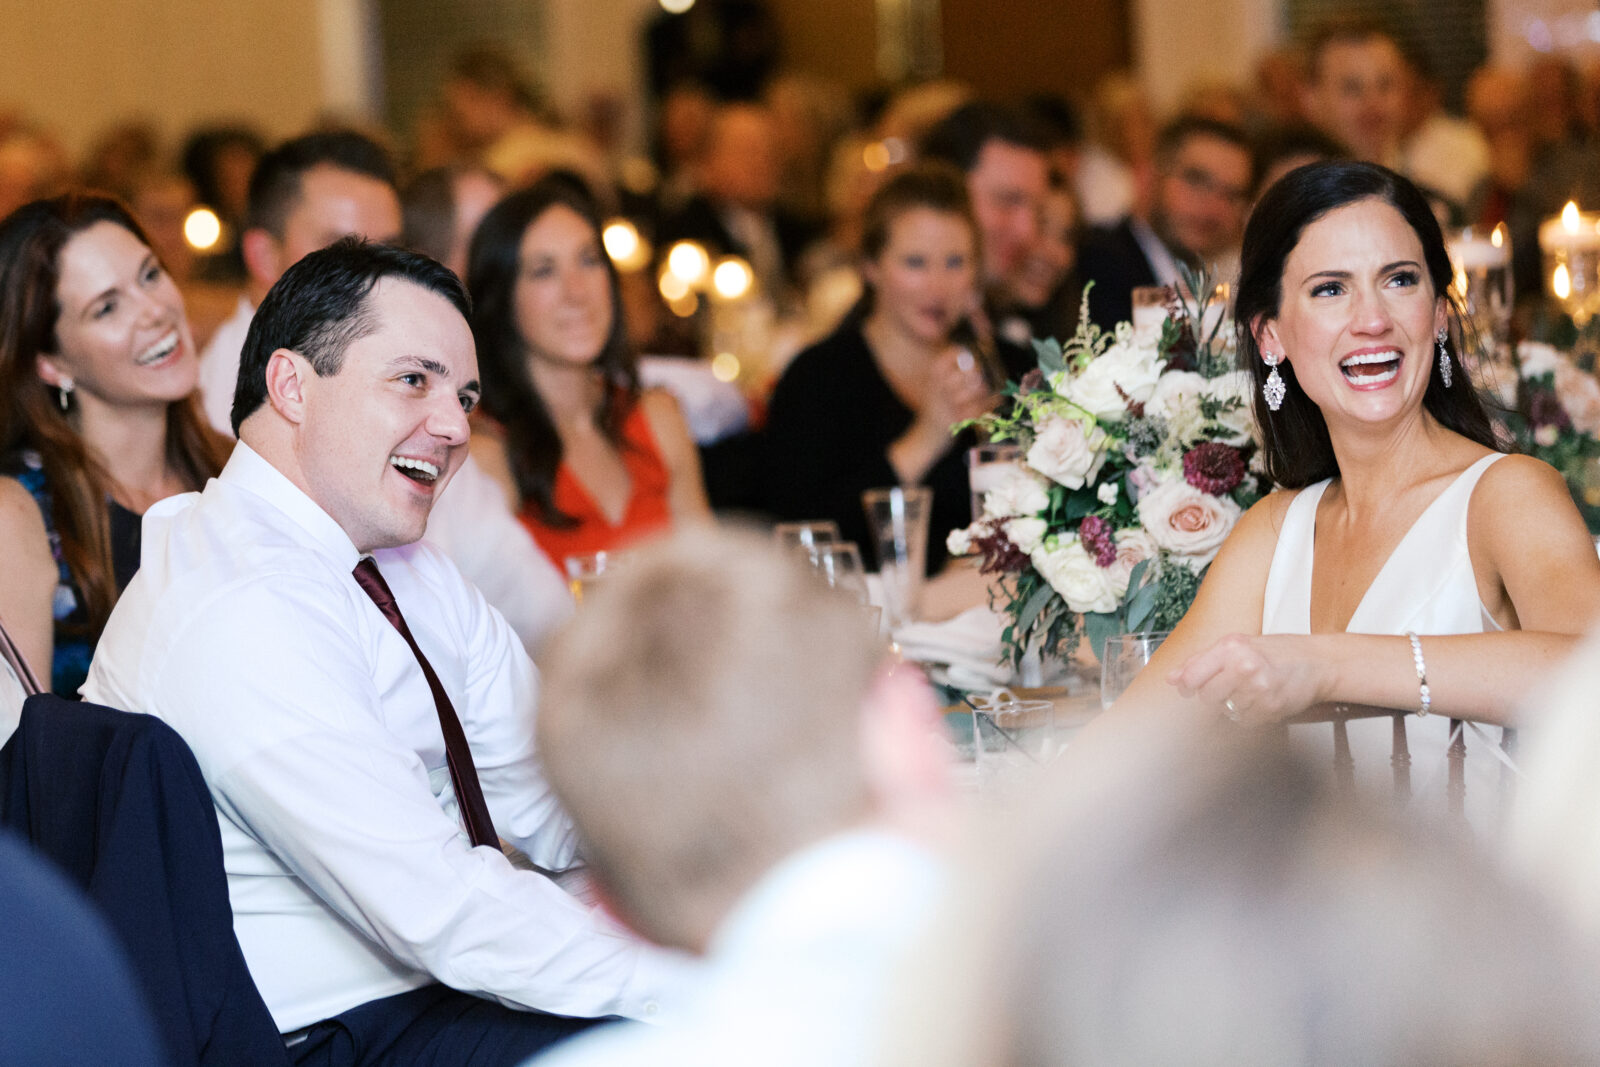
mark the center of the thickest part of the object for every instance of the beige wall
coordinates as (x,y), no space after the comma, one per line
(78,65)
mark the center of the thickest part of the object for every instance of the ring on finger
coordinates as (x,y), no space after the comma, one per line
(1233,712)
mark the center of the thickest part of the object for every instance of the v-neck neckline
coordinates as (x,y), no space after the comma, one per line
(1395,553)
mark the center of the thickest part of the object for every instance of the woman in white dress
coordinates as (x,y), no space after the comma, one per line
(1404,542)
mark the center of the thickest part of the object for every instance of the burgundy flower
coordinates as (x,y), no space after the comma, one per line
(1545,409)
(1098,540)
(1032,382)
(1213,468)
(1181,356)
(1000,556)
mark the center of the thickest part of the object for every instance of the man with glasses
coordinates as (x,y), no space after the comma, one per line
(1202,196)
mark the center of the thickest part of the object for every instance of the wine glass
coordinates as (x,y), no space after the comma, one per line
(1124,657)
(806,535)
(839,563)
(1481,260)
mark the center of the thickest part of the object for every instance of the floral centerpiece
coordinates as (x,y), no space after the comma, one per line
(1553,414)
(1137,448)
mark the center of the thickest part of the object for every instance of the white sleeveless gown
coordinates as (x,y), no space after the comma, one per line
(1426,586)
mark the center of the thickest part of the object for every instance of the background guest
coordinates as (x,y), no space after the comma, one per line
(305,194)
(793,848)
(873,404)
(1202,195)
(735,210)
(1355,87)
(587,460)
(440,209)
(97,368)
(1003,155)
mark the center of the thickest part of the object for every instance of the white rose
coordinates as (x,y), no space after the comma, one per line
(1175,390)
(1019,491)
(1025,533)
(1133,547)
(1125,372)
(1073,573)
(1545,436)
(959,542)
(1107,493)
(1538,358)
(1067,452)
(1238,418)
(1186,522)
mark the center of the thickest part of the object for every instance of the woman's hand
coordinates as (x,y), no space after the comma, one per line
(1257,679)
(956,392)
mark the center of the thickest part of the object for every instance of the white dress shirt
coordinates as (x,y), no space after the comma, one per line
(472,522)
(350,876)
(219,367)
(800,973)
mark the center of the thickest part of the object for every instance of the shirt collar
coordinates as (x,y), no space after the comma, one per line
(247,470)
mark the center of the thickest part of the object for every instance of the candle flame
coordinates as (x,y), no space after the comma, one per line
(1569,217)
(1560,282)
(1498,237)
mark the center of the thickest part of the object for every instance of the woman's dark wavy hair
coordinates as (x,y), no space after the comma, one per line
(31,415)
(533,446)
(1294,439)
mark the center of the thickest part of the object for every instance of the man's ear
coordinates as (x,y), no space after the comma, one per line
(287,375)
(263,258)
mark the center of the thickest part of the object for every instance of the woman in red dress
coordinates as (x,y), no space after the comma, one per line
(589,462)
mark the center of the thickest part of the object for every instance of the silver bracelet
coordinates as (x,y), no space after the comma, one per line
(1422,674)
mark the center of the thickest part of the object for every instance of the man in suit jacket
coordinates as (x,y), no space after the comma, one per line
(735,211)
(1202,196)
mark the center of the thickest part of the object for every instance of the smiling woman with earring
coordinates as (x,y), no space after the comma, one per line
(1407,563)
(97,420)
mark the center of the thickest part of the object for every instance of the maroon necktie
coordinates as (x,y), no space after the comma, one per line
(463,775)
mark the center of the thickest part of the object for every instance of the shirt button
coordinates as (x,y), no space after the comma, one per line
(651,1008)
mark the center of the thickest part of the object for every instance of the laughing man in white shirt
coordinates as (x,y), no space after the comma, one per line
(375,930)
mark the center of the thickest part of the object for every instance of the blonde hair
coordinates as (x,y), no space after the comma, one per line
(701,720)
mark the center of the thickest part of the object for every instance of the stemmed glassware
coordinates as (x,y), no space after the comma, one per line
(1481,261)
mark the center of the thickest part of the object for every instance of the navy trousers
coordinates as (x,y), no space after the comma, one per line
(434,1026)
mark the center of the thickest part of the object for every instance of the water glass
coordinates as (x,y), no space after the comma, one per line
(987,466)
(1013,741)
(1150,307)
(585,569)
(1124,657)
(807,535)
(839,563)
(898,518)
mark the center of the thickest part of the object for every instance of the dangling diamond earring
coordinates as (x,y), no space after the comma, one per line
(1273,388)
(1444,356)
(64,393)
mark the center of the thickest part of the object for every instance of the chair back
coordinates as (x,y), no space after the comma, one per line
(118,802)
(12,656)
(1400,752)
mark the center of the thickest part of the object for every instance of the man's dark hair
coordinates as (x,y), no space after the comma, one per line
(959,137)
(1287,142)
(320,306)
(1349,29)
(275,185)
(1175,134)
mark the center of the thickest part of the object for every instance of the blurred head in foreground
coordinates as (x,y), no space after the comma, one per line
(1210,899)
(713,708)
